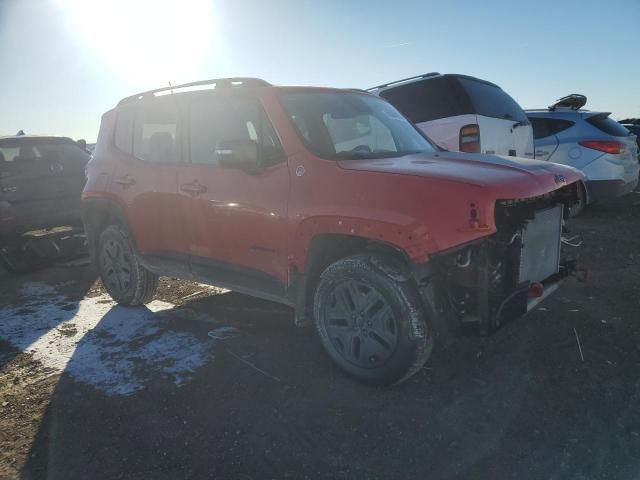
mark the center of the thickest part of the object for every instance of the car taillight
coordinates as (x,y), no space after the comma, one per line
(470,138)
(606,146)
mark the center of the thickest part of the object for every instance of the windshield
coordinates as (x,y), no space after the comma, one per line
(345,125)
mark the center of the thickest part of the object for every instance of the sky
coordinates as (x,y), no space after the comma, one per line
(65,62)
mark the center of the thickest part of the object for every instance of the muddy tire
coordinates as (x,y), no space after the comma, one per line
(124,278)
(373,326)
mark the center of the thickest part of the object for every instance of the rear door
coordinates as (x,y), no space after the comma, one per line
(149,153)
(546,141)
(504,127)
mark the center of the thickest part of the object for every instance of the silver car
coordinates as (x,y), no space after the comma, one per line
(605,151)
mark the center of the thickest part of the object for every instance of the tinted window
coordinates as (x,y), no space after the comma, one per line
(426,100)
(544,127)
(36,152)
(492,101)
(123,137)
(218,119)
(155,132)
(351,125)
(608,125)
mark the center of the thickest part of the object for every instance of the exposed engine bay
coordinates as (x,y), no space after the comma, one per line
(501,277)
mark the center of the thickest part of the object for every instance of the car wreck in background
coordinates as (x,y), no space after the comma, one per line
(41,179)
(605,151)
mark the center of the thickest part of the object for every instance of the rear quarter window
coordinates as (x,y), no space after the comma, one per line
(123,137)
(426,100)
(545,127)
(491,101)
(608,125)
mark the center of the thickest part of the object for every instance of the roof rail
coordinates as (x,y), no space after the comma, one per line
(417,77)
(232,82)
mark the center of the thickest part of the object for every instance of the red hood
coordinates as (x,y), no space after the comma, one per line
(505,177)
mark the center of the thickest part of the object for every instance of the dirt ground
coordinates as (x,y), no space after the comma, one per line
(213,384)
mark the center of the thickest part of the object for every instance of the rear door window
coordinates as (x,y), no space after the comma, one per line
(156,132)
(491,101)
(123,137)
(608,125)
(545,127)
(426,100)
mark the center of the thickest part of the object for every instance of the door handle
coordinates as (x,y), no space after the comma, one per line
(126,181)
(541,152)
(193,188)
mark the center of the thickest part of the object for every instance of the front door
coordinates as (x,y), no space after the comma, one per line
(237,216)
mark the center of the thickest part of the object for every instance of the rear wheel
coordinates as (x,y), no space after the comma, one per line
(124,278)
(374,327)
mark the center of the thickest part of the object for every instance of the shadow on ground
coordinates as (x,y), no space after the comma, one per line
(267,403)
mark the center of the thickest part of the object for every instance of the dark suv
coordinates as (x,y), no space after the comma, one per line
(41,179)
(326,200)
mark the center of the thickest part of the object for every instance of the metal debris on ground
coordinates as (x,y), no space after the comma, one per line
(579,346)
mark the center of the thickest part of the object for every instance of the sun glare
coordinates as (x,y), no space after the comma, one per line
(146,42)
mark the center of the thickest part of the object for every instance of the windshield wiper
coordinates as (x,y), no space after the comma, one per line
(346,155)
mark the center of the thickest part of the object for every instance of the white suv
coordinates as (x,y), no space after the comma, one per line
(462,113)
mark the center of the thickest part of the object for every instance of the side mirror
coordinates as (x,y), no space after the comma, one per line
(240,154)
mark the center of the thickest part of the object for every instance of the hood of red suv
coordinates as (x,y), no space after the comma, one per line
(506,177)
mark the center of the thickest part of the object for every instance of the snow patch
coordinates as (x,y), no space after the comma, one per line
(117,350)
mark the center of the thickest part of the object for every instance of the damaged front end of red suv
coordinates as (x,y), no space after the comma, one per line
(499,278)
(495,233)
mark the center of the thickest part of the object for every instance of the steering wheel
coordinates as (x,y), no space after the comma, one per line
(361,149)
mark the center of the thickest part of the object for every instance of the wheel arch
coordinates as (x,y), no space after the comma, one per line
(325,249)
(97,214)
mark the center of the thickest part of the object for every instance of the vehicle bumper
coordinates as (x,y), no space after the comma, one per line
(601,191)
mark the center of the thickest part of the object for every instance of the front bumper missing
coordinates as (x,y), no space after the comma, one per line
(519,302)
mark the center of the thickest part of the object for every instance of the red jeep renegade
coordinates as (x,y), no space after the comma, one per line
(326,200)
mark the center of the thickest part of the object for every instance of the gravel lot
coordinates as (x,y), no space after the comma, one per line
(212,384)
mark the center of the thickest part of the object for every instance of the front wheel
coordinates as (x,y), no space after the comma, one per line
(124,278)
(374,327)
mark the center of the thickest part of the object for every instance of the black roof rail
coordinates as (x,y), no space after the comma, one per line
(232,82)
(417,77)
